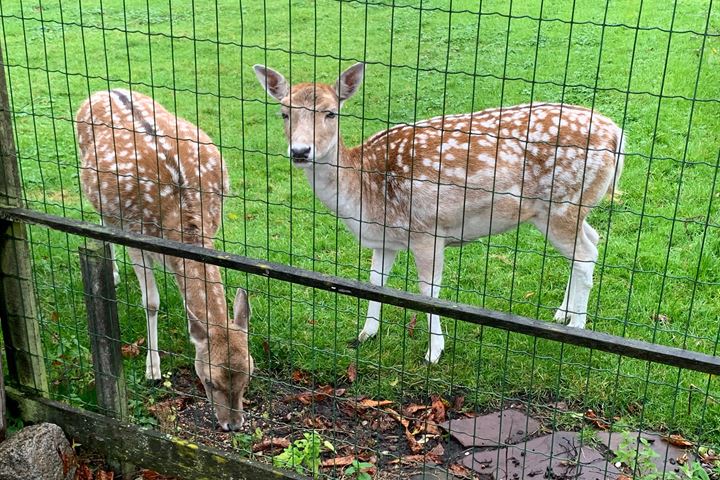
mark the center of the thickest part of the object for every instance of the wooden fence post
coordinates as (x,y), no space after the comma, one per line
(104,329)
(18,312)
(3,411)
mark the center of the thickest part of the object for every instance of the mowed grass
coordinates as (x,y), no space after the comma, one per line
(658,276)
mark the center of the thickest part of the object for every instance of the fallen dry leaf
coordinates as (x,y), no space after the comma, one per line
(316,422)
(460,470)
(153,475)
(313,396)
(415,447)
(298,376)
(458,403)
(271,444)
(338,461)
(104,475)
(413,408)
(352,372)
(412,324)
(132,350)
(83,472)
(678,441)
(438,409)
(368,403)
(597,421)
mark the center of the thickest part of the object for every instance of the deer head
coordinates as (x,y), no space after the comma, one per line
(223,362)
(310,112)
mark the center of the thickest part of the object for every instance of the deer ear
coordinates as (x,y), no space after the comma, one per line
(198,331)
(349,81)
(241,309)
(272,81)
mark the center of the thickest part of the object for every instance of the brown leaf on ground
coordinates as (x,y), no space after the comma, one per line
(271,444)
(460,470)
(152,475)
(415,447)
(316,422)
(438,409)
(314,396)
(595,420)
(458,403)
(266,348)
(83,472)
(338,461)
(368,403)
(104,475)
(678,441)
(413,408)
(299,376)
(132,350)
(68,460)
(412,324)
(352,372)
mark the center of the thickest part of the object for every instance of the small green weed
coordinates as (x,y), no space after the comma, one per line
(638,458)
(694,471)
(358,470)
(304,455)
(245,441)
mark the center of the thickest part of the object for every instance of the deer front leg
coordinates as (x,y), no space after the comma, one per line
(429,262)
(382,262)
(142,264)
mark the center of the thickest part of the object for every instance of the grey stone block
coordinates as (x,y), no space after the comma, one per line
(37,452)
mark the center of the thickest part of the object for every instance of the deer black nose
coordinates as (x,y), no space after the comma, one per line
(300,153)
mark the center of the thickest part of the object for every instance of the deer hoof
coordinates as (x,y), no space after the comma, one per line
(432,357)
(562,316)
(364,336)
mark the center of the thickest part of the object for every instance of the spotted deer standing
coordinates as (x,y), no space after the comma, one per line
(453,179)
(147,171)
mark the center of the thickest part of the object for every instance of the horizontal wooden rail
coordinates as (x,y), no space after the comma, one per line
(121,442)
(626,347)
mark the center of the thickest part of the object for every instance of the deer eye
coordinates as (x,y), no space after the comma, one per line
(284,115)
(330,115)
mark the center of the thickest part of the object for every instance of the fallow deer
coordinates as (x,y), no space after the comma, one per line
(147,171)
(452,179)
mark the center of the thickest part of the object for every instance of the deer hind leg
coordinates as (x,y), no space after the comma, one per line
(429,262)
(578,246)
(142,264)
(116,271)
(382,262)
(591,233)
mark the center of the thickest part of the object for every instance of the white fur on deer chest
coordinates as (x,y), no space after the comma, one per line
(364,215)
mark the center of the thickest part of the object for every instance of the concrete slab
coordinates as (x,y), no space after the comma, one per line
(492,430)
(559,455)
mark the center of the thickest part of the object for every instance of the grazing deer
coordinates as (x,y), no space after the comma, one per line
(453,179)
(147,171)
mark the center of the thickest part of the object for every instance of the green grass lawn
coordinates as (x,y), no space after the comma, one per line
(658,277)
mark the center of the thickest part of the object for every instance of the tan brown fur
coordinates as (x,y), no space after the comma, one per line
(149,172)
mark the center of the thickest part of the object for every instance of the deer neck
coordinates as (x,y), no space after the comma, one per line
(336,179)
(204,294)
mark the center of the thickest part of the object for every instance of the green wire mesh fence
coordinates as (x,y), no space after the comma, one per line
(570,402)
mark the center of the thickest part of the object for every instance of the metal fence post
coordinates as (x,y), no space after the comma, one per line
(18,312)
(104,329)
